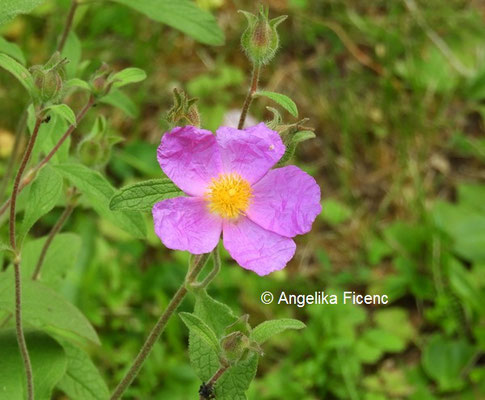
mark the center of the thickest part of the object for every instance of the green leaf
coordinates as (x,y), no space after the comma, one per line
(218,316)
(236,380)
(82,379)
(12,50)
(127,76)
(9,9)
(118,99)
(444,360)
(43,195)
(44,308)
(48,365)
(142,196)
(301,136)
(265,330)
(183,15)
(283,100)
(59,259)
(76,83)
(98,192)
(201,329)
(63,111)
(49,135)
(17,70)
(472,195)
(72,51)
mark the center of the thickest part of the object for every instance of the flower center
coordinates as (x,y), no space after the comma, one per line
(229,195)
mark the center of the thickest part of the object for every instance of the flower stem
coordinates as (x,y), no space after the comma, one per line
(29,178)
(159,327)
(54,231)
(67,25)
(212,381)
(20,331)
(18,285)
(217,267)
(249,98)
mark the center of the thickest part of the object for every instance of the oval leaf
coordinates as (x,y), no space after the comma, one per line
(142,196)
(44,308)
(127,76)
(63,111)
(283,100)
(17,70)
(48,365)
(265,330)
(12,50)
(183,15)
(9,9)
(201,329)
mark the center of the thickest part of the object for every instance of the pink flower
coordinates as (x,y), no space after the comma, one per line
(232,189)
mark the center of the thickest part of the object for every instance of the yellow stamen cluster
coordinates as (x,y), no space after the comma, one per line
(229,195)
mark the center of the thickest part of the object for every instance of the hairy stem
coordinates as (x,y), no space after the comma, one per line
(249,98)
(18,287)
(20,331)
(54,231)
(215,270)
(28,179)
(198,264)
(212,381)
(67,25)
(18,177)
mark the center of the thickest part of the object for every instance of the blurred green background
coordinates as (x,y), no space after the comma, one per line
(396,93)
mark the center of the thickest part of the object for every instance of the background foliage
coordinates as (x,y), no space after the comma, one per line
(395,90)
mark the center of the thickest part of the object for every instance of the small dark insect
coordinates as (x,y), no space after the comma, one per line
(47,119)
(206,391)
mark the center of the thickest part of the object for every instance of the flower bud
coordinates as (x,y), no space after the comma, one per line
(235,346)
(99,81)
(95,149)
(184,110)
(260,40)
(49,79)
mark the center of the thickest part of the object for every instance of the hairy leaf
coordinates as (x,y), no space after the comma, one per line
(127,76)
(9,9)
(12,50)
(267,329)
(233,384)
(17,70)
(183,15)
(201,329)
(82,379)
(63,111)
(42,198)
(43,308)
(48,365)
(142,196)
(283,100)
(98,192)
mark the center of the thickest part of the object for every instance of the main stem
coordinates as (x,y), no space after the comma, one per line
(28,179)
(159,327)
(67,25)
(249,98)
(18,279)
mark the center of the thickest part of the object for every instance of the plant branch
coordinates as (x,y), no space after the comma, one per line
(20,331)
(212,381)
(29,178)
(18,280)
(249,98)
(215,270)
(67,25)
(54,231)
(198,264)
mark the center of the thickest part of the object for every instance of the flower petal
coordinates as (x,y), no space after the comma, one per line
(184,223)
(250,152)
(255,248)
(190,157)
(285,201)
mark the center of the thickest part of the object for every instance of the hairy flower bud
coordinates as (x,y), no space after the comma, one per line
(49,79)
(95,149)
(99,81)
(260,40)
(184,110)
